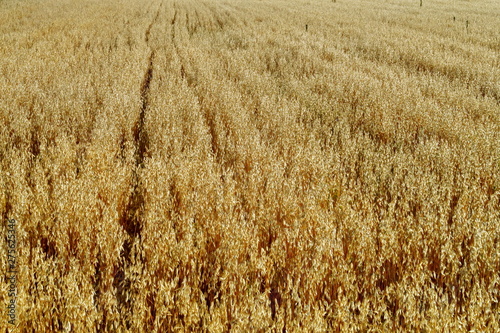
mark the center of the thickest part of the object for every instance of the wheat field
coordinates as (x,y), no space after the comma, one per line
(251,165)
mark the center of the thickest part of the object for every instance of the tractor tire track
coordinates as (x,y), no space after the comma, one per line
(132,216)
(148,30)
(208,115)
(141,135)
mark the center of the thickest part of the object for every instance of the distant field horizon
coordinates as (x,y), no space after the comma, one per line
(250,166)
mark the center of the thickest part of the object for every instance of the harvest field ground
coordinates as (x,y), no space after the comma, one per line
(250,166)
